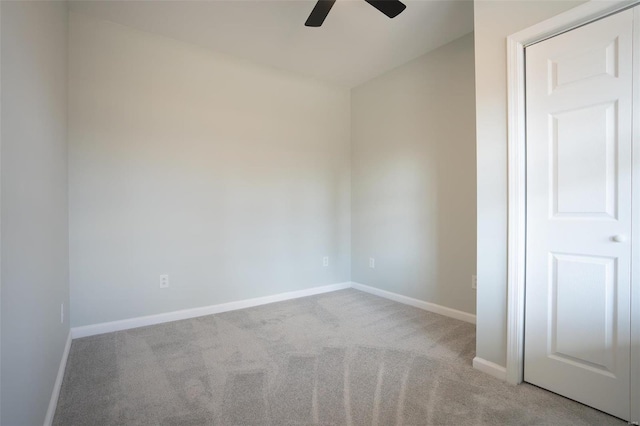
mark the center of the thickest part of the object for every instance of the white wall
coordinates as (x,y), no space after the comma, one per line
(494,21)
(232,178)
(414,178)
(34,206)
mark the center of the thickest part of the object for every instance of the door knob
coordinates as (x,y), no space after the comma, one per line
(621,238)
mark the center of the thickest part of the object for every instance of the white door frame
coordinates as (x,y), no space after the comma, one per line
(516,44)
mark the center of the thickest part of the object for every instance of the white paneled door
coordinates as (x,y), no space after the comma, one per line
(579,174)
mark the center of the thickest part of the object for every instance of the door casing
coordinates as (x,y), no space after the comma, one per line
(516,145)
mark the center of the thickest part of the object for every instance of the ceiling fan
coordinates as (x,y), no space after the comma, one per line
(391,8)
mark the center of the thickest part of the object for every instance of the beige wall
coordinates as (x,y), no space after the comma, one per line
(232,178)
(494,21)
(413,156)
(35,263)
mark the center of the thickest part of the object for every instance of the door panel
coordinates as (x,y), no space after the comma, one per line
(583,329)
(578,275)
(596,60)
(584,161)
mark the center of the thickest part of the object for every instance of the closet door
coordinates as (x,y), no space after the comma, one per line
(579,166)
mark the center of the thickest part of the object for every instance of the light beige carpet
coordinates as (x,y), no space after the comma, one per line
(342,358)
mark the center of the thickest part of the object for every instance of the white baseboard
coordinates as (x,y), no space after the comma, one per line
(53,402)
(126,324)
(491,368)
(431,307)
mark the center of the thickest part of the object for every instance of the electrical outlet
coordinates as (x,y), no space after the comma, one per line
(164,281)
(325,261)
(62,313)
(372,263)
(474,281)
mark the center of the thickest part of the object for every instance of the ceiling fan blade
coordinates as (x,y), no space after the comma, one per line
(319,13)
(391,8)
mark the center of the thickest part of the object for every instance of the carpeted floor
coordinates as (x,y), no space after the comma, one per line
(341,358)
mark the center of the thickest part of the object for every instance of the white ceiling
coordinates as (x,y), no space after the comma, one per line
(355,44)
